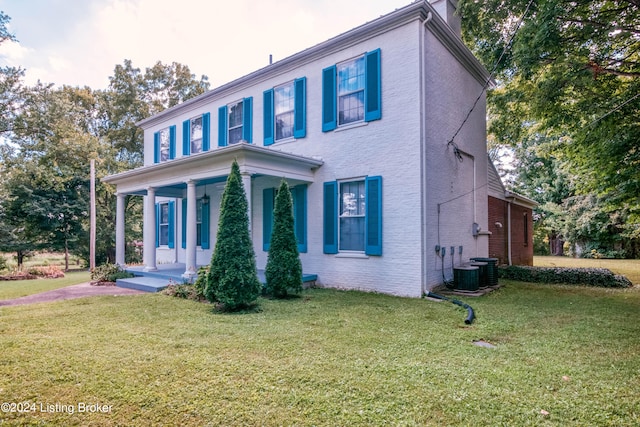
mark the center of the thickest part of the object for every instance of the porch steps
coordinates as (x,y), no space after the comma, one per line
(143,283)
(155,281)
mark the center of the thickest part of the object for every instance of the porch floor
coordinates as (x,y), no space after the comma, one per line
(155,281)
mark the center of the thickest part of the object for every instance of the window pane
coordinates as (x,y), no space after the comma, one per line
(164,235)
(164,213)
(164,145)
(351,76)
(351,108)
(352,234)
(196,135)
(235,115)
(235,135)
(283,100)
(284,125)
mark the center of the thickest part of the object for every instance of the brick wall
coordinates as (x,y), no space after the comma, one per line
(521,233)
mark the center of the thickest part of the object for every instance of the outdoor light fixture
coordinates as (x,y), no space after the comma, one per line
(205,198)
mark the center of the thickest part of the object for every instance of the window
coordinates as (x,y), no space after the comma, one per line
(299,198)
(165,224)
(195,134)
(234,122)
(164,144)
(351,91)
(351,213)
(202,222)
(353,216)
(285,111)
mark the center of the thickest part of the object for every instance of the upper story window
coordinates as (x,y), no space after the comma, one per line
(285,111)
(352,91)
(235,122)
(164,144)
(195,134)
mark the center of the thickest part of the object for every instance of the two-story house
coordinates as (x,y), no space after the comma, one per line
(362,127)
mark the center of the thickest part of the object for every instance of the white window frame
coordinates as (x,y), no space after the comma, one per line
(289,111)
(346,94)
(161,225)
(193,140)
(164,141)
(239,104)
(342,215)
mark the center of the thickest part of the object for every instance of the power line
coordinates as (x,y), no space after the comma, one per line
(495,68)
(614,109)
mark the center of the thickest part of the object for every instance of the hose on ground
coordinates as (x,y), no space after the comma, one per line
(470,313)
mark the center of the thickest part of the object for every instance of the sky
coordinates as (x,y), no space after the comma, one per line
(79,42)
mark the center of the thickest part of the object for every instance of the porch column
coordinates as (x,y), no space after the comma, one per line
(149,232)
(192,231)
(246,183)
(120,246)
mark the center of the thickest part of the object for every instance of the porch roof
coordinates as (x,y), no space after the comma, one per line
(213,166)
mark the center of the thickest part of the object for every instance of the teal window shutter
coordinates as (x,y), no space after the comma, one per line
(157,225)
(247,119)
(329,114)
(172,142)
(373,87)
(330,218)
(184,223)
(222,126)
(156,147)
(172,228)
(373,217)
(299,193)
(206,131)
(300,108)
(204,228)
(186,137)
(268,117)
(268,198)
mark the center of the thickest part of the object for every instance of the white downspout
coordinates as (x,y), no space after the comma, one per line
(423,176)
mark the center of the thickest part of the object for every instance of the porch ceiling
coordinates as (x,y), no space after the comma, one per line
(214,166)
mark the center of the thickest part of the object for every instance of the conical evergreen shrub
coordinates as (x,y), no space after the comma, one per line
(284,270)
(233,276)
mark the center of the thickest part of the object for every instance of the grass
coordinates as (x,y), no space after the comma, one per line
(329,358)
(19,288)
(627,267)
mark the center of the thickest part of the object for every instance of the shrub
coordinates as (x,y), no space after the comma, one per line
(48,271)
(3,263)
(201,282)
(600,277)
(184,290)
(284,270)
(109,273)
(233,275)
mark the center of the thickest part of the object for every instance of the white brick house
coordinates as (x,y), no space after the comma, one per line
(359,126)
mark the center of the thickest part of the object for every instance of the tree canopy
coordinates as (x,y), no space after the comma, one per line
(569,90)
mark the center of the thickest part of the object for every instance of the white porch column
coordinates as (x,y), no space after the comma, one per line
(246,183)
(149,232)
(192,231)
(120,241)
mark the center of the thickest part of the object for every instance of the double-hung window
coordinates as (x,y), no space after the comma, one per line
(195,134)
(164,144)
(285,111)
(235,122)
(352,218)
(165,217)
(352,91)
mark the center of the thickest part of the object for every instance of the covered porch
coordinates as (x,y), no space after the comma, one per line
(166,274)
(189,181)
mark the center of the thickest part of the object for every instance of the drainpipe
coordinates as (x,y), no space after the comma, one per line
(423,176)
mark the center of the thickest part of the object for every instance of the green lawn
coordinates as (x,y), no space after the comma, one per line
(627,267)
(329,358)
(10,289)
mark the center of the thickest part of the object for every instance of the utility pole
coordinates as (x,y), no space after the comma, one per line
(92,232)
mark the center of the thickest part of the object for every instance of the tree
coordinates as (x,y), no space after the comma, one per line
(571,75)
(284,270)
(233,276)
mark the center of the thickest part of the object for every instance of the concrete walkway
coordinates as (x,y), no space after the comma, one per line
(70,292)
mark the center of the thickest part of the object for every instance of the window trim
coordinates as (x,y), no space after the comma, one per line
(299,112)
